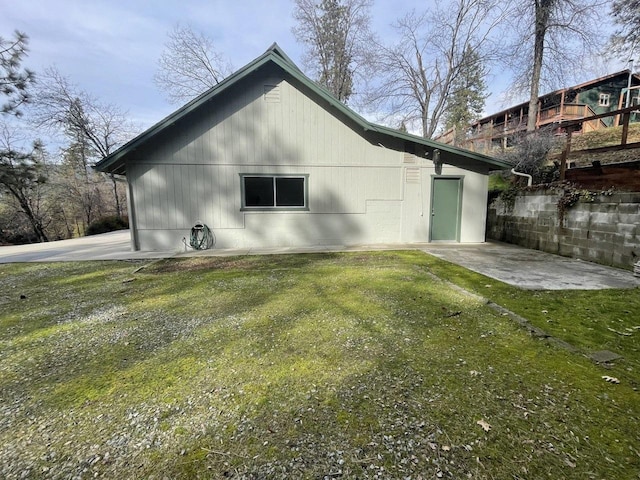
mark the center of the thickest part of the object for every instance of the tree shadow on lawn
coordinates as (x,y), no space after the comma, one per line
(106,327)
(389,383)
(323,364)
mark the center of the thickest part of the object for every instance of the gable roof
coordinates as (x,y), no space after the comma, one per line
(116,162)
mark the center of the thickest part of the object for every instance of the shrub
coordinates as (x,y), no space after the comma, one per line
(530,152)
(497,184)
(108,224)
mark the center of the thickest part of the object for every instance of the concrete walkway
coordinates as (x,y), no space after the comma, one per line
(108,246)
(532,269)
(529,269)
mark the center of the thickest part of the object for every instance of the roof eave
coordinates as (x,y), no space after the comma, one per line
(432,144)
(108,162)
(116,161)
(369,126)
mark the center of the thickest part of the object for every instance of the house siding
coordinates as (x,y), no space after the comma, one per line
(497,131)
(358,191)
(591,97)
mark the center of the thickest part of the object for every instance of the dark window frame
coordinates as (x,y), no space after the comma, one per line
(275,206)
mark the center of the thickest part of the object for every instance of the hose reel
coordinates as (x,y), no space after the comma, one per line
(202,237)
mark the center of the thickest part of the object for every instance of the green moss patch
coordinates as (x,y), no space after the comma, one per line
(308,366)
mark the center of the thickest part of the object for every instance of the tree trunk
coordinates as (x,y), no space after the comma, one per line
(23,201)
(542,13)
(425,124)
(42,237)
(35,223)
(66,224)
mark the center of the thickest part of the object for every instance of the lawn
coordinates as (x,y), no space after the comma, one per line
(308,366)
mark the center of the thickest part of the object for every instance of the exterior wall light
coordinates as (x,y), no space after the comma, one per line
(437,163)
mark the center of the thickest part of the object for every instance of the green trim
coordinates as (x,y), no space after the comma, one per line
(441,146)
(115,163)
(107,162)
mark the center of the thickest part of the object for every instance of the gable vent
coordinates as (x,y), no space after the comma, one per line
(412,175)
(409,158)
(272,93)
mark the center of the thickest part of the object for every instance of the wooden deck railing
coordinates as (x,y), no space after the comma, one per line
(552,114)
(621,117)
(571,111)
(574,117)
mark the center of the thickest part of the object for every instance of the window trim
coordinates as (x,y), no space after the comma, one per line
(604,100)
(275,208)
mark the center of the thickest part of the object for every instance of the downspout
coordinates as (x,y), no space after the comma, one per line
(628,100)
(529,177)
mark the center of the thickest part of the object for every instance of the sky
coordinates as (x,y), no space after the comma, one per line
(110,48)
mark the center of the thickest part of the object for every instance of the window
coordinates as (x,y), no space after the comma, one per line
(603,101)
(283,192)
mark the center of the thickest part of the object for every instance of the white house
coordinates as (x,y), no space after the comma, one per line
(269,158)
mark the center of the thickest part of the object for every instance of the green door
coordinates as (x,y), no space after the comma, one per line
(446,202)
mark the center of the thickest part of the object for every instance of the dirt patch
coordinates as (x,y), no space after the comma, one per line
(199,264)
(266,262)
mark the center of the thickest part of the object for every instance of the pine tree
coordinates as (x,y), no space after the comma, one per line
(14,80)
(21,176)
(21,173)
(336,74)
(337,39)
(469,92)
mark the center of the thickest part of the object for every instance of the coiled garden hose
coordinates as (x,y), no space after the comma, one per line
(202,237)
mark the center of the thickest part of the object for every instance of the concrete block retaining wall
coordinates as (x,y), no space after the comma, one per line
(604,229)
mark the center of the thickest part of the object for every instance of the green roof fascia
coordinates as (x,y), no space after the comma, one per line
(276,55)
(443,147)
(128,147)
(368,126)
(275,48)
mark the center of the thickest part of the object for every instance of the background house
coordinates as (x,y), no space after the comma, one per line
(268,158)
(602,95)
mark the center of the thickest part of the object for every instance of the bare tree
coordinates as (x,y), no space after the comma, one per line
(93,129)
(81,188)
(553,39)
(14,80)
(63,107)
(530,153)
(420,71)
(189,65)
(338,42)
(626,39)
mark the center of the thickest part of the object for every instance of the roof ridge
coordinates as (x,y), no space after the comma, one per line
(277,50)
